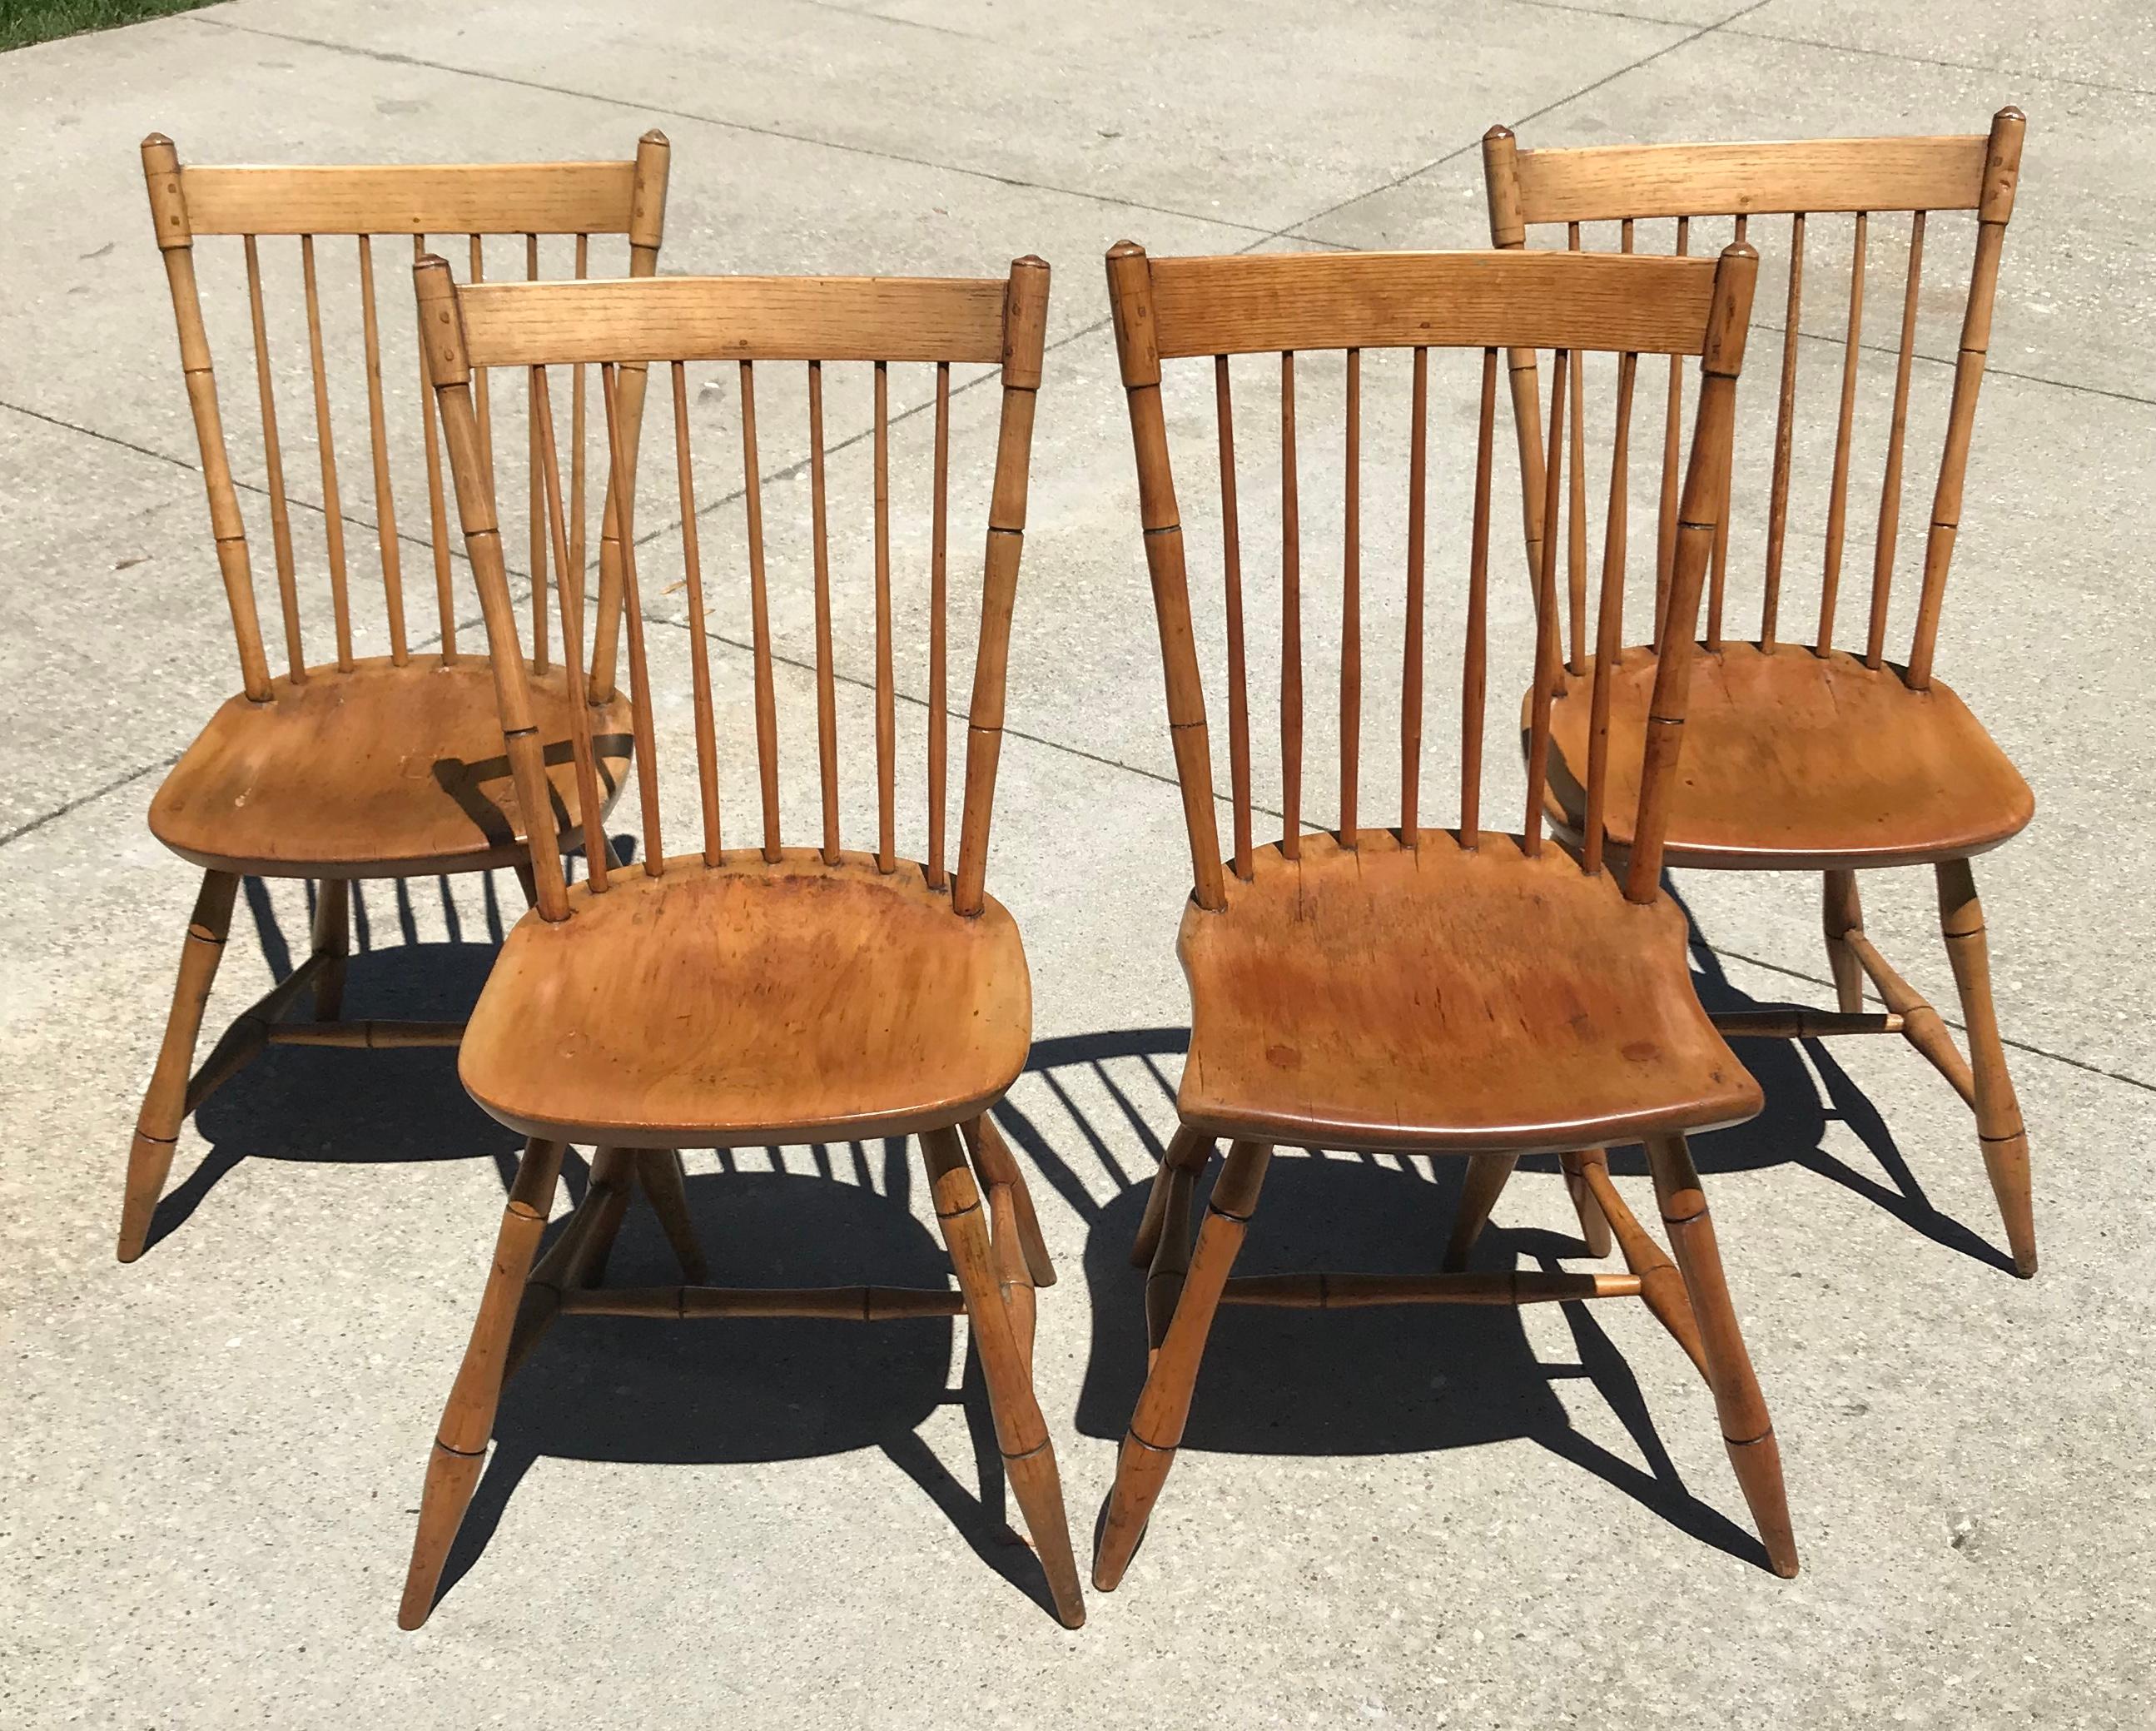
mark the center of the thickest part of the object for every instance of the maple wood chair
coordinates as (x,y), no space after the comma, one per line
(1423,990)
(759,993)
(1806,756)
(359,767)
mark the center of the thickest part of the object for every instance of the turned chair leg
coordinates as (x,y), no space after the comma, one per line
(1594,1223)
(1021,1431)
(164,1103)
(997,1165)
(1998,1125)
(1841,912)
(1487,1175)
(1156,1428)
(332,939)
(1747,1431)
(612,1186)
(460,1452)
(1187,1151)
(665,1185)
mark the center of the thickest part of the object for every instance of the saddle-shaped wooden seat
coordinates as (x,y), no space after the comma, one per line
(382,772)
(1439,997)
(1797,761)
(791,1001)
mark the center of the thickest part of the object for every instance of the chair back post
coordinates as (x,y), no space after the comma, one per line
(1705,499)
(1508,231)
(449,368)
(2002,173)
(168,211)
(1025,326)
(1130,296)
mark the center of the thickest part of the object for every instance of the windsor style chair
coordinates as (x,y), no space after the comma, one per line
(1806,756)
(362,766)
(1426,990)
(759,993)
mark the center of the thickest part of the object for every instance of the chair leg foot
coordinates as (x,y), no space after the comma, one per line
(1156,1427)
(164,1103)
(1747,1431)
(460,1451)
(1998,1127)
(1487,1176)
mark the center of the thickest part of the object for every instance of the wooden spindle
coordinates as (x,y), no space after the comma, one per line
(1889,491)
(1025,325)
(886,711)
(1130,299)
(168,215)
(1785,434)
(273,457)
(1665,534)
(578,540)
(483,395)
(377,431)
(569,578)
(766,703)
(1717,577)
(1290,625)
(1475,658)
(939,701)
(325,443)
(699,642)
(827,692)
(2002,172)
(437,504)
(1837,504)
(622,488)
(1239,685)
(449,368)
(1546,665)
(1705,494)
(1575,550)
(1350,606)
(537,542)
(1411,646)
(1610,622)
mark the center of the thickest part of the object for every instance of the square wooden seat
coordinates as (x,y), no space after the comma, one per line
(1797,761)
(769,1001)
(384,771)
(1436,997)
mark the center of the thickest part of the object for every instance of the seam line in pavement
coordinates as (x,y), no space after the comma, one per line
(706,119)
(1888,54)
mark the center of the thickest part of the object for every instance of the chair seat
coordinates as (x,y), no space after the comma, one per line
(752,1002)
(1794,760)
(1448,1000)
(382,772)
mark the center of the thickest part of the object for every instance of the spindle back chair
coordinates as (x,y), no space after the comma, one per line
(757,993)
(358,766)
(1805,755)
(1418,989)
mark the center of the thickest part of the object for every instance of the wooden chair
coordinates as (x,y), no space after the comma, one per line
(359,767)
(1808,758)
(1425,990)
(757,994)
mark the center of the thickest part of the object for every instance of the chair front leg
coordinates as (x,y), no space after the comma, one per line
(333,939)
(1999,1126)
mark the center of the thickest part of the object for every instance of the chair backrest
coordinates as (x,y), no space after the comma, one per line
(1858,178)
(1173,308)
(678,321)
(535,200)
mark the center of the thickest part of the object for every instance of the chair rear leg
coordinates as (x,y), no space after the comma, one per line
(164,1103)
(1021,1431)
(1187,1148)
(1487,1175)
(460,1452)
(998,1165)
(1747,1431)
(1156,1428)
(665,1185)
(1999,1126)
(1594,1223)
(1841,912)
(333,939)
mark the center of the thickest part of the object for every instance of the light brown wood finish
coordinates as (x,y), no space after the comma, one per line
(1422,990)
(765,993)
(1817,758)
(362,766)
